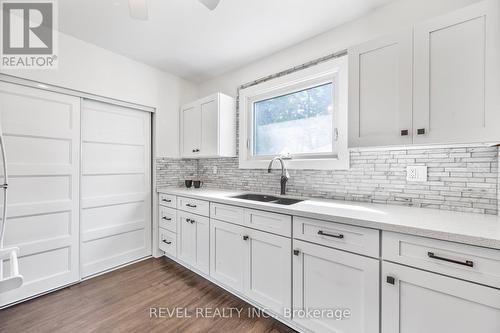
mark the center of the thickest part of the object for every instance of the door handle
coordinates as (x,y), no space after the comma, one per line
(245,237)
(468,263)
(322,233)
(296,252)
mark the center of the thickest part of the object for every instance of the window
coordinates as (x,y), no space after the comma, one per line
(302,116)
(296,123)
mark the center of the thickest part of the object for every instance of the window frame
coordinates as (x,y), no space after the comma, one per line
(333,71)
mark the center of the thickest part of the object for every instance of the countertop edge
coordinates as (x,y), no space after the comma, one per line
(492,243)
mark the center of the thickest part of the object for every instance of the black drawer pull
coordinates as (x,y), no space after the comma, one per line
(166,218)
(467,263)
(245,237)
(339,236)
(190,205)
(166,200)
(296,252)
(166,242)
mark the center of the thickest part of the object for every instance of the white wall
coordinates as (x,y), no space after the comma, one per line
(89,68)
(385,20)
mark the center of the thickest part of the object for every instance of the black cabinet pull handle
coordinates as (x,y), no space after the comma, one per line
(166,242)
(166,200)
(245,237)
(296,252)
(405,132)
(196,150)
(339,236)
(190,205)
(166,218)
(467,263)
(421,131)
(188,220)
(391,280)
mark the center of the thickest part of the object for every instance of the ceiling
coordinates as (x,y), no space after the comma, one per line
(185,39)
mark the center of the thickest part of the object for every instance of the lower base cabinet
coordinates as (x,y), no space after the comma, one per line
(415,301)
(335,291)
(254,263)
(193,240)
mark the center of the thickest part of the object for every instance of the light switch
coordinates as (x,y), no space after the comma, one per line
(416,173)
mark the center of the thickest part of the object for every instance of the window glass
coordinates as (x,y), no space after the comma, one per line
(296,123)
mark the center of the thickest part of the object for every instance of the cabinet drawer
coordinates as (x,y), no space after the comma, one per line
(195,206)
(167,200)
(167,242)
(341,236)
(167,218)
(227,213)
(271,222)
(466,262)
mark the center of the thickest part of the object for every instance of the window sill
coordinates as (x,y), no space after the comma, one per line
(340,163)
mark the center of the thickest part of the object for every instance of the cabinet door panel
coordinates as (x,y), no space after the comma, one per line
(268,276)
(202,261)
(456,72)
(420,301)
(209,128)
(227,254)
(191,130)
(329,279)
(380,92)
(186,238)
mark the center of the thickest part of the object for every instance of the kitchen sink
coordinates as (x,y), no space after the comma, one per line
(267,198)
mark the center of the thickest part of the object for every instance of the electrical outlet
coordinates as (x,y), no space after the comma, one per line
(416,173)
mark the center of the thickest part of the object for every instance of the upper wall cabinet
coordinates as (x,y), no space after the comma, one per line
(453,95)
(208,127)
(457,73)
(380,91)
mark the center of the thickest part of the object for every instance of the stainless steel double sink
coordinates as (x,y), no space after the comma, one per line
(267,198)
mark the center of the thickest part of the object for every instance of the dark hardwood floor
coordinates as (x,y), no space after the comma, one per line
(121,301)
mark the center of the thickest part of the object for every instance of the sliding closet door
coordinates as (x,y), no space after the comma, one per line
(42,136)
(116,186)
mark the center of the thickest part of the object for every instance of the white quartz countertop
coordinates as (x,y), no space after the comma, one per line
(469,228)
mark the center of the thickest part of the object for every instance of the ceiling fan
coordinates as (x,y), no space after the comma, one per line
(139,8)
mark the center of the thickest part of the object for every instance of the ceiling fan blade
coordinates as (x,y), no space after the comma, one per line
(210,4)
(138,9)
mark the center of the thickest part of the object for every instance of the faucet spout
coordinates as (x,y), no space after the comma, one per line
(284,173)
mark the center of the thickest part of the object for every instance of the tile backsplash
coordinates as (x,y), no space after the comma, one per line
(460,179)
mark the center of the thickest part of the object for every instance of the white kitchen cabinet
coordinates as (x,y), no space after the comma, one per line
(227,254)
(415,301)
(193,240)
(208,127)
(325,278)
(254,263)
(380,91)
(457,74)
(268,270)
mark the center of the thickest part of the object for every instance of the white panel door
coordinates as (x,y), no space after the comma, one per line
(116,186)
(209,127)
(415,301)
(191,130)
(380,91)
(457,76)
(227,254)
(268,270)
(42,136)
(329,279)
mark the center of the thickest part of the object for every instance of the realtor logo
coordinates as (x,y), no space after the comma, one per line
(28,34)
